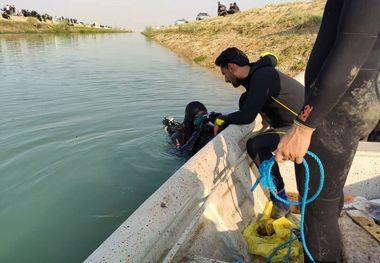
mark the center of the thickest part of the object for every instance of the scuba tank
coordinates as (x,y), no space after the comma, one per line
(170,125)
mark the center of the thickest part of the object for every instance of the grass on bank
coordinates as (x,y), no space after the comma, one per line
(32,25)
(288,30)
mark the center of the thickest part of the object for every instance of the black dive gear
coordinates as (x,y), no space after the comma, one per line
(195,131)
(170,125)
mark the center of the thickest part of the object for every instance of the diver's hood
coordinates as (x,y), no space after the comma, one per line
(268,60)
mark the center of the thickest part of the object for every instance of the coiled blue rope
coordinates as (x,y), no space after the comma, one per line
(267,181)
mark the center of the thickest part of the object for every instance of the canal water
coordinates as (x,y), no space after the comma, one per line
(81,139)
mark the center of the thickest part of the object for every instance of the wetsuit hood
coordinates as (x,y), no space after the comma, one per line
(192,109)
(266,61)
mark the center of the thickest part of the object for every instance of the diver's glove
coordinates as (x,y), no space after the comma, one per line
(213,115)
(221,121)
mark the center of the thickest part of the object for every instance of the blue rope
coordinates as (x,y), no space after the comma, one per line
(266,180)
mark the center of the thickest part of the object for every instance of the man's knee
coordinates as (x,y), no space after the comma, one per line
(252,148)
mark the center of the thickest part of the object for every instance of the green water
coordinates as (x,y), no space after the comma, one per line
(81,140)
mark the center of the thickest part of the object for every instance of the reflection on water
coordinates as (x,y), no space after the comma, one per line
(81,139)
(26,44)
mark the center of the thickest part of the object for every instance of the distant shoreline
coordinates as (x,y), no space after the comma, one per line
(17,24)
(287,30)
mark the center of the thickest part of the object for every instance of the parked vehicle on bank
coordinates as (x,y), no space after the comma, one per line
(181,22)
(202,16)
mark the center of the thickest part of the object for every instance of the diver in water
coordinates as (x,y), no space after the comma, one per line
(194,132)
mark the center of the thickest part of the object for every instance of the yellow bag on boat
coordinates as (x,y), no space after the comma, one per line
(265,235)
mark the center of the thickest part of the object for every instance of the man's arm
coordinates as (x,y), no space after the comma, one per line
(357,36)
(262,86)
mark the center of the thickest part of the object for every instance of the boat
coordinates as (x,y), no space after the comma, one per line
(200,212)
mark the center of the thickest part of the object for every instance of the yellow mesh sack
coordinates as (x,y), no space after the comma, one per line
(265,235)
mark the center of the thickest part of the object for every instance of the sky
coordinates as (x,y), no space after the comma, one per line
(131,14)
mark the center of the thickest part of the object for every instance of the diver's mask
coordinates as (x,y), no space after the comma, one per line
(200,119)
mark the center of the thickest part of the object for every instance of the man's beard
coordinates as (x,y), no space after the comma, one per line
(236,83)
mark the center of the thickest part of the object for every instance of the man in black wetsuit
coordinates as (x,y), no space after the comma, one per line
(342,105)
(271,93)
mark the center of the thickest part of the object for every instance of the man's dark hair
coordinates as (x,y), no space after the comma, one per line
(232,55)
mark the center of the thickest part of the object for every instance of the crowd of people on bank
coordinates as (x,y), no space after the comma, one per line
(223,11)
(10,10)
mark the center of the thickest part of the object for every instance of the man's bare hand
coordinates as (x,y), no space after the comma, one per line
(294,145)
(217,129)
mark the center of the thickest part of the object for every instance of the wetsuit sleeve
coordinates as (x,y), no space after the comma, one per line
(190,144)
(359,29)
(261,87)
(176,139)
